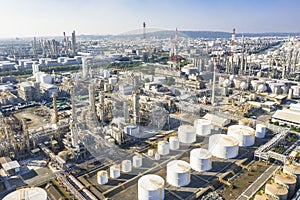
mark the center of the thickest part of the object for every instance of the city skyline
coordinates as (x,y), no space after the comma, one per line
(51,18)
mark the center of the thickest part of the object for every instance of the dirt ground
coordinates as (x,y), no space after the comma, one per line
(34,121)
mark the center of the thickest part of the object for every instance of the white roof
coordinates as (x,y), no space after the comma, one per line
(217,120)
(287,115)
(10,165)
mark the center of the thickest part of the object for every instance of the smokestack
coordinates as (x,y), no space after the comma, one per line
(214,84)
(233,42)
(136,107)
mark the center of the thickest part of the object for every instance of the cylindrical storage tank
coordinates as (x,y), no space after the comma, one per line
(27,193)
(163,148)
(150,152)
(202,126)
(174,143)
(186,134)
(244,134)
(151,187)
(296,90)
(114,171)
(223,146)
(126,166)
(292,169)
(137,161)
(288,180)
(178,173)
(264,197)
(200,160)
(277,190)
(260,131)
(157,156)
(102,177)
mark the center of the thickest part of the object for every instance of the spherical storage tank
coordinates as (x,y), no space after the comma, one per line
(126,166)
(277,190)
(27,194)
(163,148)
(114,171)
(174,143)
(244,134)
(151,187)
(186,134)
(200,160)
(102,177)
(178,173)
(137,161)
(260,131)
(202,126)
(223,146)
(288,180)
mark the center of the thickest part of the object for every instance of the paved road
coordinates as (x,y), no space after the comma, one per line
(260,181)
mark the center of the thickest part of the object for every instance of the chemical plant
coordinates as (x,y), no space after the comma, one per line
(150,117)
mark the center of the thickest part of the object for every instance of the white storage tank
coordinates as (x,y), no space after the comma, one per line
(151,187)
(174,143)
(223,146)
(157,156)
(202,126)
(126,166)
(178,173)
(260,131)
(244,134)
(102,177)
(163,148)
(137,161)
(150,152)
(114,171)
(27,193)
(292,169)
(277,190)
(288,180)
(186,134)
(200,160)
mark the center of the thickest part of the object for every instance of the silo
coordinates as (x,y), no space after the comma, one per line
(223,146)
(244,134)
(151,187)
(102,177)
(288,180)
(202,126)
(174,143)
(186,134)
(27,193)
(137,161)
(292,169)
(200,160)
(163,148)
(277,190)
(126,166)
(260,131)
(178,173)
(114,171)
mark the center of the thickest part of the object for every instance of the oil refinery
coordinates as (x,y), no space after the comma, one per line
(150,117)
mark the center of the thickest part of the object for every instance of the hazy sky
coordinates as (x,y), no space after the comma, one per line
(21,18)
